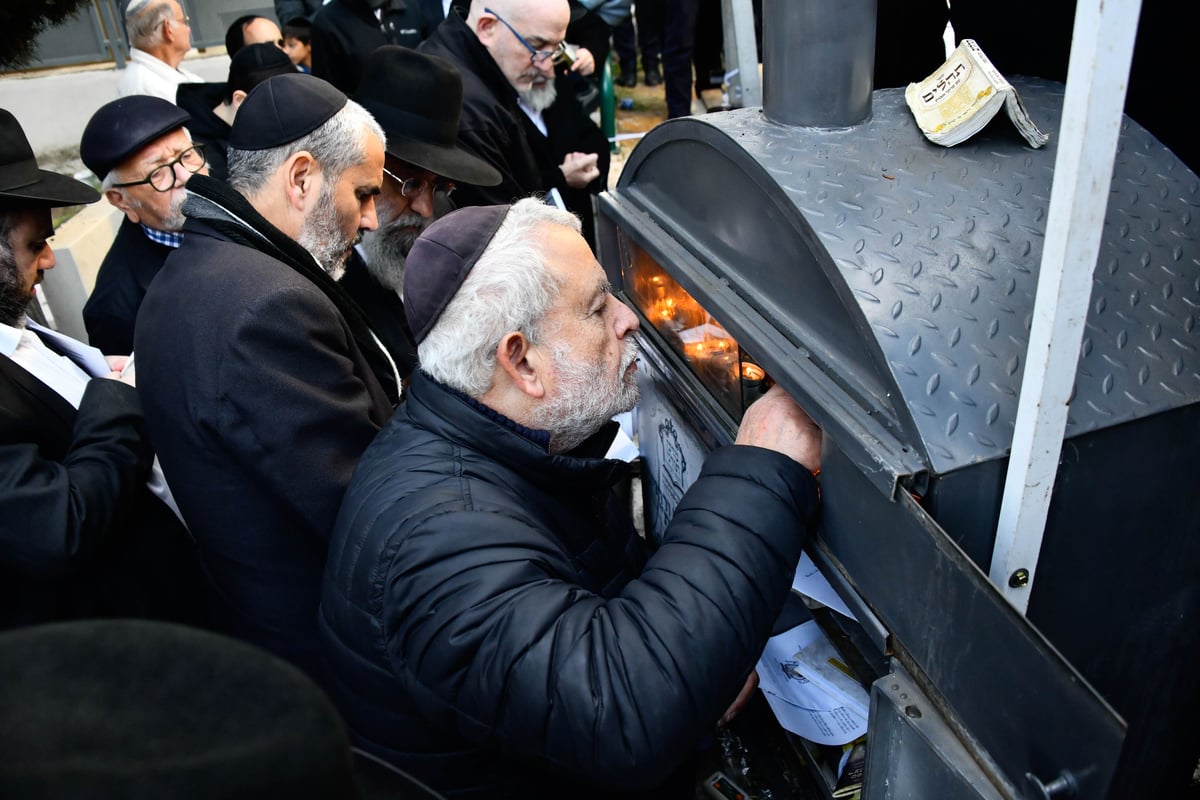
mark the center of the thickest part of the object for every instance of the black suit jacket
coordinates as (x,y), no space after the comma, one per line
(80,535)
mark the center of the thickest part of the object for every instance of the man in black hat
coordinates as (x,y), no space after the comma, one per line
(504,48)
(423,164)
(262,380)
(490,618)
(345,32)
(144,156)
(213,106)
(80,532)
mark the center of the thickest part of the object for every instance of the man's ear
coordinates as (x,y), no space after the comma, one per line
(522,363)
(238,97)
(302,180)
(118,199)
(485,28)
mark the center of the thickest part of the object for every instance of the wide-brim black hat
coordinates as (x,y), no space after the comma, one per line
(22,183)
(417,99)
(138,709)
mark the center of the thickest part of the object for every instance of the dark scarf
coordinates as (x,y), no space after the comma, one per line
(230,214)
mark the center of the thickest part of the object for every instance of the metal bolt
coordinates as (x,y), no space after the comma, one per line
(1064,785)
(1019,578)
(912,711)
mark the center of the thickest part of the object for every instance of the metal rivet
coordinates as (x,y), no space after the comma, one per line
(1019,578)
(912,711)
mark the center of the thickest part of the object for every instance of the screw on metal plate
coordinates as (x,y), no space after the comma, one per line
(1064,785)
(1019,578)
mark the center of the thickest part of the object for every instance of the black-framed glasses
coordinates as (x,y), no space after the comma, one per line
(413,187)
(556,55)
(162,178)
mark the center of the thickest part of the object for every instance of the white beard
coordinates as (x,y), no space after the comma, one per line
(539,98)
(582,402)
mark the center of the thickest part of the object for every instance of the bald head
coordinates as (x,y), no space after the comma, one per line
(511,29)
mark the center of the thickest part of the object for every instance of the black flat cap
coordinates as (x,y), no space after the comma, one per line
(254,63)
(440,260)
(282,109)
(23,184)
(119,129)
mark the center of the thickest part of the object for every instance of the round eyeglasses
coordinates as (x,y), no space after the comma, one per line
(414,187)
(163,178)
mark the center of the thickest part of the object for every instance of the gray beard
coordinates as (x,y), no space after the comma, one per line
(540,98)
(583,403)
(174,219)
(386,249)
(322,236)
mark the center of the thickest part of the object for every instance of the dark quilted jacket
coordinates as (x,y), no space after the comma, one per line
(491,623)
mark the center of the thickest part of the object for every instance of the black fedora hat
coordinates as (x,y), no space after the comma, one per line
(22,183)
(135,709)
(417,100)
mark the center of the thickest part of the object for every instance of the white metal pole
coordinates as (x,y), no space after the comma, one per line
(741,54)
(1097,77)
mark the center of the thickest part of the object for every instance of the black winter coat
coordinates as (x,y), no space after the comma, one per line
(262,386)
(490,623)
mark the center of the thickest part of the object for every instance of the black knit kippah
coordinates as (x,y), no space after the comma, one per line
(440,260)
(282,109)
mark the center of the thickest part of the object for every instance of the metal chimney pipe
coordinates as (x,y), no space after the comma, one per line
(818,61)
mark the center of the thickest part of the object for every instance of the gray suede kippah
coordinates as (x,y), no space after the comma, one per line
(440,259)
(282,109)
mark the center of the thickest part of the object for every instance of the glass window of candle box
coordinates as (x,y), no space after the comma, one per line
(731,375)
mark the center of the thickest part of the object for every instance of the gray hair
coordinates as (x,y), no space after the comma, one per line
(144,20)
(510,288)
(337,145)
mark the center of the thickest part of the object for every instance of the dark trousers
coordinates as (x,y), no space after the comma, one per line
(646,37)
(693,37)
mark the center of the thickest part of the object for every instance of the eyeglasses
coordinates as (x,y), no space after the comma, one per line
(413,187)
(556,55)
(163,178)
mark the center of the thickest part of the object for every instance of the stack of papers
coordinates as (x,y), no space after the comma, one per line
(811,692)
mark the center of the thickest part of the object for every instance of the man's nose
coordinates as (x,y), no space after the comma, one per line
(626,321)
(423,202)
(369,221)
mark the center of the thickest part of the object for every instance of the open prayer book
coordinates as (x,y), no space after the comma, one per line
(962,96)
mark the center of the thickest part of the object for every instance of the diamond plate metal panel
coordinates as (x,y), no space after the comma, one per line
(941,247)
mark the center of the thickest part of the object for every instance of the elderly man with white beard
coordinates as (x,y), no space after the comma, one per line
(423,165)
(490,620)
(262,381)
(505,48)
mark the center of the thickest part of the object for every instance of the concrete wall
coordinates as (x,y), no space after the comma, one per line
(53,106)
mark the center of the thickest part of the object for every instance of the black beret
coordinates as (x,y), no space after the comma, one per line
(440,259)
(121,128)
(282,109)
